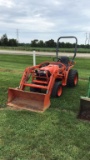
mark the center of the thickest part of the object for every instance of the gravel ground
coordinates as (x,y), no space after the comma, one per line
(81,55)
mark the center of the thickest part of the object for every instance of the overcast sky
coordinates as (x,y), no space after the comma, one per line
(45,19)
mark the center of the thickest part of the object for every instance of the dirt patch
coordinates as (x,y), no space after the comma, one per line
(1,108)
(11,71)
(85,115)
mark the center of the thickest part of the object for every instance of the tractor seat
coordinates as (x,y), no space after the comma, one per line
(65,60)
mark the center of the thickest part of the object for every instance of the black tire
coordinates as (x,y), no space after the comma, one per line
(32,89)
(72,80)
(57,90)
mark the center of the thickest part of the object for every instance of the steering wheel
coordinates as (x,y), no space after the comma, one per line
(56,59)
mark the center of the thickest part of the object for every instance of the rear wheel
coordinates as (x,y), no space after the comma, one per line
(72,80)
(57,90)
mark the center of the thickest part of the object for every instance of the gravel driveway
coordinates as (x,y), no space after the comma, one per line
(81,55)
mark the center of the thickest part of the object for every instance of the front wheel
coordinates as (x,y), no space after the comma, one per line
(57,90)
(72,80)
(32,89)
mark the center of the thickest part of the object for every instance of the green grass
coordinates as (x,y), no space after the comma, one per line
(56,134)
(45,49)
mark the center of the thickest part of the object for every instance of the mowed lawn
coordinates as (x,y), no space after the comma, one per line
(56,134)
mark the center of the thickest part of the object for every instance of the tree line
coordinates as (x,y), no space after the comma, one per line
(52,44)
(4,41)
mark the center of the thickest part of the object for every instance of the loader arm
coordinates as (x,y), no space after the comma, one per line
(49,84)
(34,101)
(27,74)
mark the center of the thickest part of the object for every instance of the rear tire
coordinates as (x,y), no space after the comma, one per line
(57,90)
(72,80)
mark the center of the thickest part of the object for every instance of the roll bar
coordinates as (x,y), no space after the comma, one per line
(75,50)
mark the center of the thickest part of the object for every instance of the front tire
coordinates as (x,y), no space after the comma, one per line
(57,90)
(72,80)
(32,89)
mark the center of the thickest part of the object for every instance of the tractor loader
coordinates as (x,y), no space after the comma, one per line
(43,81)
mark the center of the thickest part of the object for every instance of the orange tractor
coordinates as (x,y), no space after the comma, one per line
(44,80)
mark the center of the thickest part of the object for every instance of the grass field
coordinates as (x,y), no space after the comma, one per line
(56,134)
(45,49)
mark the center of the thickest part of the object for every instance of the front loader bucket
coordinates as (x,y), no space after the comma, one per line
(33,101)
(84,112)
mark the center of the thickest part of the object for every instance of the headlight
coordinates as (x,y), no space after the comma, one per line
(42,72)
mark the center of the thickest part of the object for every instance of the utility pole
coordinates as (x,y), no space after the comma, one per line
(17,35)
(89,39)
(86,39)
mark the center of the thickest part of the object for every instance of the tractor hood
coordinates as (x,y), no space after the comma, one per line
(51,68)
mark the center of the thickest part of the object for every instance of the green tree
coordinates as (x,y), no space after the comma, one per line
(12,42)
(50,43)
(41,43)
(4,40)
(34,43)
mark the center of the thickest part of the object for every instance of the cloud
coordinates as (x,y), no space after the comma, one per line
(50,17)
(6,3)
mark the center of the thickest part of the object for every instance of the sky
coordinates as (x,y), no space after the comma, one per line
(27,20)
